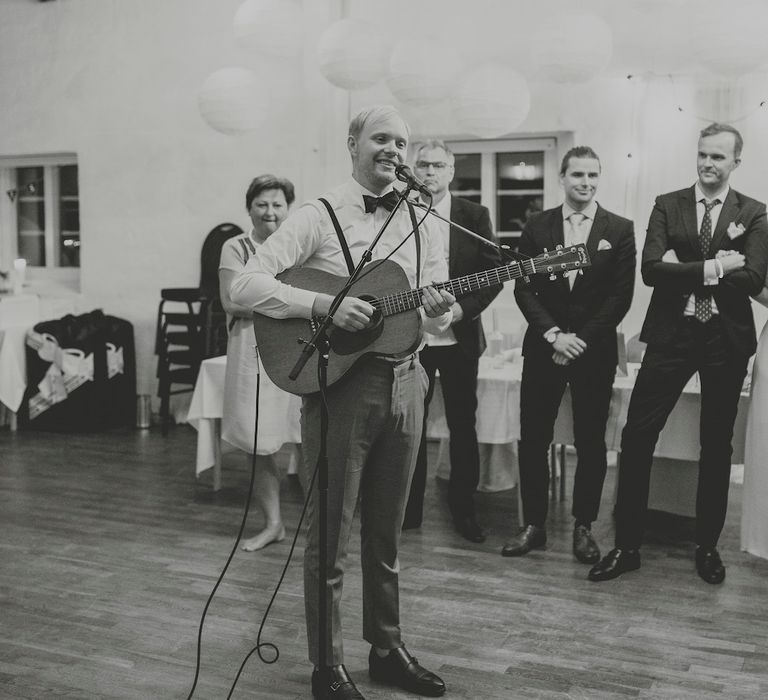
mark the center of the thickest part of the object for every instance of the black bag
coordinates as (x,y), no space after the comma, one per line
(81,374)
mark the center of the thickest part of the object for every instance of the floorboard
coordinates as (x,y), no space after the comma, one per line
(109,549)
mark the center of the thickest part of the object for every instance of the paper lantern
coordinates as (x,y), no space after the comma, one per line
(729,39)
(229,101)
(571,48)
(352,54)
(422,72)
(491,100)
(273,27)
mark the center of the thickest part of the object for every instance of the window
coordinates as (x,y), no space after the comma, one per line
(40,211)
(514,178)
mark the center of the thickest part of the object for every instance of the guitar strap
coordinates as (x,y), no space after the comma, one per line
(345,246)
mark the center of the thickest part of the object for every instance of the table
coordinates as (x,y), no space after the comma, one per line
(675,469)
(18,313)
(205,412)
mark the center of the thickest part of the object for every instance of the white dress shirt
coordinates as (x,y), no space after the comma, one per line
(443,207)
(307,238)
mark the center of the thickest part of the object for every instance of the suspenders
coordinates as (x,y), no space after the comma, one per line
(345,246)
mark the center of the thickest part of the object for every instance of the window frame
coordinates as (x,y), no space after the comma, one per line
(9,219)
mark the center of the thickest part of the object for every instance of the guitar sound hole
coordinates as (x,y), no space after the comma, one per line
(347,342)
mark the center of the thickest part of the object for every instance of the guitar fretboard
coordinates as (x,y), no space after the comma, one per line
(459,287)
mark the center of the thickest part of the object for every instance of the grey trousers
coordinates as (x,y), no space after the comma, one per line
(375,420)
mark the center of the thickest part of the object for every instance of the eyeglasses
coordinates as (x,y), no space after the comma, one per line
(425,164)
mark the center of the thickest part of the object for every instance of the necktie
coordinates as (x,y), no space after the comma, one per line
(388,201)
(573,237)
(703,303)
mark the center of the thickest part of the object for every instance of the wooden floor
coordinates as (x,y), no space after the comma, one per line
(108,550)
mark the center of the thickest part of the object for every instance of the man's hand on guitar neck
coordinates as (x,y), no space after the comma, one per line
(353,314)
(436,303)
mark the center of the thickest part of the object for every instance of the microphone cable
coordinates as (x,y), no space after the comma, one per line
(259,643)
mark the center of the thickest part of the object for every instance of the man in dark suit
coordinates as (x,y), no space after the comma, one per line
(571,339)
(456,351)
(705,253)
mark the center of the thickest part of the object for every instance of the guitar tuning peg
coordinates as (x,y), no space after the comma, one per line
(546,250)
(581,272)
(527,279)
(558,247)
(554,276)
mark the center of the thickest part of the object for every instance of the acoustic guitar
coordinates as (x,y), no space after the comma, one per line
(395,328)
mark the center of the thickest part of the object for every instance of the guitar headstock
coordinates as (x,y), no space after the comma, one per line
(562,259)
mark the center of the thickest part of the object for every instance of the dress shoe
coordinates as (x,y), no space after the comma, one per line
(530,537)
(468,528)
(338,685)
(585,548)
(615,563)
(410,524)
(709,565)
(403,670)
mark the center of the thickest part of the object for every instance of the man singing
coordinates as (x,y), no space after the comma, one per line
(375,411)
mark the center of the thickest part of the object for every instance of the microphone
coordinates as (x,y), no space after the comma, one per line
(405,174)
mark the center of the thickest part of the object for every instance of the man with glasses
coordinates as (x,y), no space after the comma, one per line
(456,351)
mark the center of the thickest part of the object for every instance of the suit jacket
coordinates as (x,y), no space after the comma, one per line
(467,256)
(673,226)
(600,298)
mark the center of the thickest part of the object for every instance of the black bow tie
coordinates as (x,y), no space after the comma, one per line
(388,201)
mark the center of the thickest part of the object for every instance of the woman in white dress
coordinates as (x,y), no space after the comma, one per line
(267,201)
(754,521)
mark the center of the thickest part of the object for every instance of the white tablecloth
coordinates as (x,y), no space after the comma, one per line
(205,411)
(498,429)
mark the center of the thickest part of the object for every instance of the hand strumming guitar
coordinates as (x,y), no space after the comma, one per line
(353,314)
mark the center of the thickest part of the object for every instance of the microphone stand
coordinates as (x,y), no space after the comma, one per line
(320,341)
(501,247)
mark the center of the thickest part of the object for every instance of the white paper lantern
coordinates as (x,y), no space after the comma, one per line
(230,101)
(352,54)
(729,38)
(422,72)
(571,48)
(491,100)
(273,27)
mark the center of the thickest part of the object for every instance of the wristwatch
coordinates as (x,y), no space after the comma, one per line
(552,337)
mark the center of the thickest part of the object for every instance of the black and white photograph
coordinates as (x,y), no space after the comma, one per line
(353,349)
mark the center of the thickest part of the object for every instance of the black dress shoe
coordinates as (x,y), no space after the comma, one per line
(615,563)
(530,537)
(709,565)
(585,548)
(410,524)
(403,670)
(338,685)
(468,528)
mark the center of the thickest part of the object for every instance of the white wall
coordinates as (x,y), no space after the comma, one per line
(115,81)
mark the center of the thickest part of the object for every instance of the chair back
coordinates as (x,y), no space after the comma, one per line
(209,258)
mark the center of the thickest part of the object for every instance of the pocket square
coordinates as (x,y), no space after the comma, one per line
(604,245)
(735,230)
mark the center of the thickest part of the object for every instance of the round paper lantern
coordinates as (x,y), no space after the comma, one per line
(273,27)
(422,72)
(230,102)
(571,48)
(491,101)
(352,54)
(729,40)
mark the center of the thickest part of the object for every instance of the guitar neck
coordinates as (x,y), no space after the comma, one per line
(459,287)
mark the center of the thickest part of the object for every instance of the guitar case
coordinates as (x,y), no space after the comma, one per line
(81,374)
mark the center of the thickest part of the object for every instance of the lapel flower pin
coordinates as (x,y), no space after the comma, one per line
(735,230)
